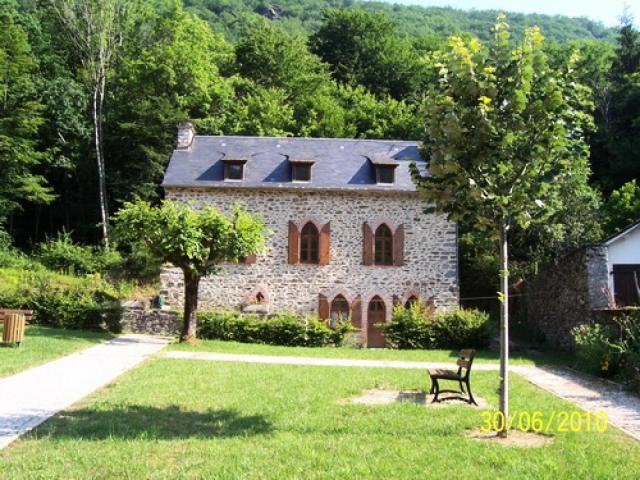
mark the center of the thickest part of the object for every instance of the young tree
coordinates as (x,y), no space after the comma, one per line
(96,28)
(195,240)
(504,133)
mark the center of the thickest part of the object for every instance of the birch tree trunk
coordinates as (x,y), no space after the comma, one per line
(98,102)
(504,327)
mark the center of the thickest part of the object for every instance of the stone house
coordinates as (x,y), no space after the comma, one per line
(348,231)
(580,286)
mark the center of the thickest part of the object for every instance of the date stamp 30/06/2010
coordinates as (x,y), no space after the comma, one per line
(545,422)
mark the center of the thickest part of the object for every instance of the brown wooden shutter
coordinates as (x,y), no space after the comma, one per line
(250,259)
(367,244)
(294,243)
(356,312)
(325,243)
(323,307)
(398,246)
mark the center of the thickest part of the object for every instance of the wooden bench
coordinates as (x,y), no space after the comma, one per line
(464,363)
(5,312)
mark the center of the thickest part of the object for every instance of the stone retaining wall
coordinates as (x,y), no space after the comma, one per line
(566,293)
(154,322)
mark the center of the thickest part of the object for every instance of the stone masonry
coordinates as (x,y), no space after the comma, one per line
(430,270)
(567,293)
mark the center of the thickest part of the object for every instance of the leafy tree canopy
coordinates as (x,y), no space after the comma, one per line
(197,240)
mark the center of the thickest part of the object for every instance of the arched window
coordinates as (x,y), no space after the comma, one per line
(260,297)
(412,300)
(309,242)
(339,308)
(383,247)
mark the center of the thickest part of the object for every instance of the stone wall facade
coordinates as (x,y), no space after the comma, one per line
(566,294)
(152,322)
(430,270)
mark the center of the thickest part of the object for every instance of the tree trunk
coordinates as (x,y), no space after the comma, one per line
(191,285)
(98,101)
(504,327)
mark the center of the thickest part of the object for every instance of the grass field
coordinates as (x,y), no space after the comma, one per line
(190,419)
(484,356)
(42,344)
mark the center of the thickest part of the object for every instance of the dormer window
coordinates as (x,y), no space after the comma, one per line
(234,170)
(386,174)
(301,170)
(385,168)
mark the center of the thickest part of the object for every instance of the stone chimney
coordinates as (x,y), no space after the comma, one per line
(186,132)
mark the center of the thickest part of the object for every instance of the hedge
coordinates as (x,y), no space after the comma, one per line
(284,329)
(419,327)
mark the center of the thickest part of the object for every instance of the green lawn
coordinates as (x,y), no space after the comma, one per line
(484,356)
(191,419)
(42,344)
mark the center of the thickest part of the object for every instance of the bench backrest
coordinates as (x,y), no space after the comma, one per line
(5,312)
(465,360)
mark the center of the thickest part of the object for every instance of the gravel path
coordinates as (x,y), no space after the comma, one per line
(590,394)
(29,398)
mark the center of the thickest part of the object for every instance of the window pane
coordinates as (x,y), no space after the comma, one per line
(234,171)
(386,174)
(309,240)
(301,173)
(383,246)
(339,308)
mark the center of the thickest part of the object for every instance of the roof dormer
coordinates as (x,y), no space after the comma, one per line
(385,169)
(234,166)
(300,169)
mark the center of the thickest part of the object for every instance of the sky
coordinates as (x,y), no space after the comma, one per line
(605,11)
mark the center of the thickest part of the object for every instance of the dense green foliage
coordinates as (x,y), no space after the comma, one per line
(611,350)
(62,254)
(623,207)
(354,69)
(418,327)
(287,330)
(196,240)
(59,300)
(429,23)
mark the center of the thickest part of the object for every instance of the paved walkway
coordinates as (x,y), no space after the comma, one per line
(29,398)
(590,394)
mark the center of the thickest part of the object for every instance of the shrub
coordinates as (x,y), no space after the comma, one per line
(410,327)
(418,327)
(597,351)
(461,328)
(60,300)
(278,330)
(63,255)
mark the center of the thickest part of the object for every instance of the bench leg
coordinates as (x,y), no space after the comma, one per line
(436,390)
(461,387)
(471,399)
(433,386)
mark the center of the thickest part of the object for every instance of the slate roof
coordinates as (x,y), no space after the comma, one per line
(339,164)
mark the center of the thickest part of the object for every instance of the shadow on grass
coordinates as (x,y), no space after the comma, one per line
(139,422)
(47,331)
(537,357)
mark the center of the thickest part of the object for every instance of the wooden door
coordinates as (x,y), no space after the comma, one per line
(377,313)
(626,281)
